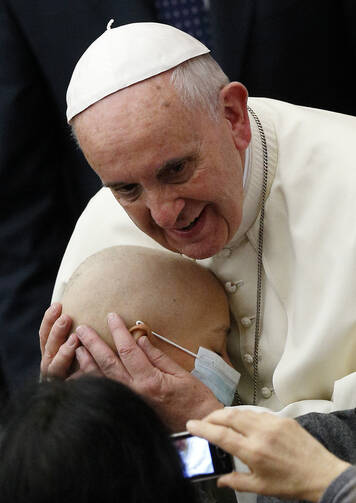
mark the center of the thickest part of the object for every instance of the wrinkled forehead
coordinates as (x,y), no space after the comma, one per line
(137,121)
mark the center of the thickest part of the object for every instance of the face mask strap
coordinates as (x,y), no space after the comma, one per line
(138,322)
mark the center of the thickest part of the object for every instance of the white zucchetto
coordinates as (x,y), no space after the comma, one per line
(124,56)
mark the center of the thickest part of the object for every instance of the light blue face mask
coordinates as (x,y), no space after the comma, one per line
(212,370)
(216,374)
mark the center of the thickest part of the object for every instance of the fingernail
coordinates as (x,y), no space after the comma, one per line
(54,307)
(80,331)
(80,351)
(62,321)
(141,341)
(192,422)
(72,340)
(112,316)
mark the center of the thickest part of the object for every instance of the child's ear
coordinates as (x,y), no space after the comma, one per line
(138,331)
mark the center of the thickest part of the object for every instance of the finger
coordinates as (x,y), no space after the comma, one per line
(107,361)
(243,482)
(61,363)
(87,364)
(131,355)
(50,316)
(84,364)
(222,436)
(159,359)
(57,336)
(75,375)
(80,373)
(242,421)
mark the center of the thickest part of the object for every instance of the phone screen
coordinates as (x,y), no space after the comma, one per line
(201,460)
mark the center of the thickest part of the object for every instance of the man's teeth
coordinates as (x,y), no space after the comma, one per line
(188,227)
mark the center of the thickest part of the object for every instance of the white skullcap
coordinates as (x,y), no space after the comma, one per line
(124,56)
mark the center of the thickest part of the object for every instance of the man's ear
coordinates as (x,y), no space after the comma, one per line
(234,101)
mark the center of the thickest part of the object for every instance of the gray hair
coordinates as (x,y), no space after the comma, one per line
(198,82)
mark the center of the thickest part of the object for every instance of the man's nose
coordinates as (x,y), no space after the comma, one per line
(165,210)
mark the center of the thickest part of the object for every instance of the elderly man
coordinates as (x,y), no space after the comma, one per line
(263,191)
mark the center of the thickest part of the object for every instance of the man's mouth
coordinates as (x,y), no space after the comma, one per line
(191,225)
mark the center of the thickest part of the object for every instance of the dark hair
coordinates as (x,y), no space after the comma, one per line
(87,440)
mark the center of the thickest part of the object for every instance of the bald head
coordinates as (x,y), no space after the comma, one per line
(175,296)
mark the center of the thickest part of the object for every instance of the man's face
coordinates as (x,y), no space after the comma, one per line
(176,172)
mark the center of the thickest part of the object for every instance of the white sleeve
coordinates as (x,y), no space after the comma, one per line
(103,224)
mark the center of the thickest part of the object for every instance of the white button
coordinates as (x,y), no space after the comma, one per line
(226,252)
(246,322)
(247,358)
(266,392)
(230,287)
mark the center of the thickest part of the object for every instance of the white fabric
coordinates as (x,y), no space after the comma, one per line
(308,346)
(126,55)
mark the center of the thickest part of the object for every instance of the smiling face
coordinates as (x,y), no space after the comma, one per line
(176,172)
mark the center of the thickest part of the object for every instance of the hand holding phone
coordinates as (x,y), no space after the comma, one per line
(201,459)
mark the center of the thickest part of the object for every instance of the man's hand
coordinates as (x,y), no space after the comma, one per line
(57,347)
(173,392)
(284,459)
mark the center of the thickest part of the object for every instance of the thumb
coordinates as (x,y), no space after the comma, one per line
(237,481)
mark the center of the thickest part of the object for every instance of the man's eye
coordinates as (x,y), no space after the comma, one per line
(127,188)
(174,172)
(177,168)
(130,190)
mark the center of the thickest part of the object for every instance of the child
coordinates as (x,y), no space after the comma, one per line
(176,299)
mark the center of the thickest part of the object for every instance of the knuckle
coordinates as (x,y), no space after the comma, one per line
(47,356)
(257,457)
(108,364)
(53,371)
(63,352)
(90,338)
(157,359)
(125,351)
(87,366)
(274,431)
(151,387)
(230,414)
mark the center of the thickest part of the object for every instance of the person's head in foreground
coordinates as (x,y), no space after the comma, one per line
(174,296)
(161,125)
(86,440)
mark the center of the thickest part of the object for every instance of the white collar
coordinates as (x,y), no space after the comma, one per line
(246,166)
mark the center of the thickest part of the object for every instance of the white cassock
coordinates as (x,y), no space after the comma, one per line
(307,354)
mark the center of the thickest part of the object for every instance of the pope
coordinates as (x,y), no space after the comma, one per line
(258,190)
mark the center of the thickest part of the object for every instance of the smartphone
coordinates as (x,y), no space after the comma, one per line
(201,459)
